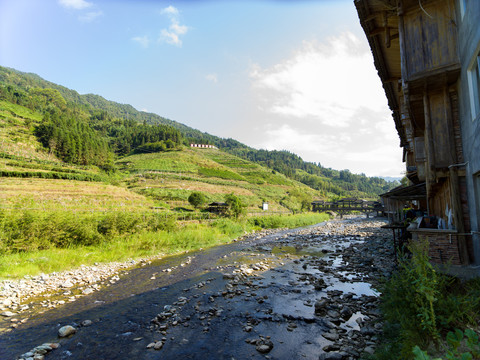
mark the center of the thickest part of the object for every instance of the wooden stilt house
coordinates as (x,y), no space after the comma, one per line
(427,56)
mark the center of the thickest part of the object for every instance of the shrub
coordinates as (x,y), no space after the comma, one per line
(161,222)
(235,206)
(196,199)
(117,223)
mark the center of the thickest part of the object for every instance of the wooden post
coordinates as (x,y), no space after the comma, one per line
(458,215)
(431,177)
(454,183)
(429,144)
(451,133)
(401,39)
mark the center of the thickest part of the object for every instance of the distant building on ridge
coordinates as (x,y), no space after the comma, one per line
(203,146)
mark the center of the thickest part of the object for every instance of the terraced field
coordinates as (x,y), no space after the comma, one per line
(68,195)
(171,177)
(33,178)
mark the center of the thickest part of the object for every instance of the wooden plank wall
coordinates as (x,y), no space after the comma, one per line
(442,198)
(440,129)
(430,42)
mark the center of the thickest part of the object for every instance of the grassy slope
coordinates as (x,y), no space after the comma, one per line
(145,180)
(16,135)
(68,211)
(332,183)
(172,176)
(52,221)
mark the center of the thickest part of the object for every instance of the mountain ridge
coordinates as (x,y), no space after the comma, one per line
(96,110)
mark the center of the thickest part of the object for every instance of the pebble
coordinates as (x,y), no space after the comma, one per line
(355,252)
(39,352)
(333,336)
(158,345)
(86,323)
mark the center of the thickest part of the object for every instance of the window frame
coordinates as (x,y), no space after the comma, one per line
(462,7)
(474,85)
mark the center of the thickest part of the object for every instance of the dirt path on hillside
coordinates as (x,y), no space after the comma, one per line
(299,294)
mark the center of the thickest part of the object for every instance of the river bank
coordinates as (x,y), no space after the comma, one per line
(305,293)
(68,286)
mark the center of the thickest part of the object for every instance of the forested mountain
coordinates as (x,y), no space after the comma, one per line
(88,129)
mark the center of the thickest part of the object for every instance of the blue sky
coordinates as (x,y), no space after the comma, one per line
(285,75)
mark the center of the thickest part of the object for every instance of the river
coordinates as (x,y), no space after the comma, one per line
(295,294)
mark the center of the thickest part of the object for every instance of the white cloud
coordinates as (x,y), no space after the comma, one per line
(144,41)
(325,81)
(326,104)
(75,4)
(299,141)
(175,30)
(82,5)
(338,150)
(212,77)
(170,38)
(170,10)
(90,16)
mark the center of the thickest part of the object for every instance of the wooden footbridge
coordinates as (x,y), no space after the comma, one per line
(348,205)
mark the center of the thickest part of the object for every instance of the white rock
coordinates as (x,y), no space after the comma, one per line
(87,291)
(87,322)
(8,314)
(67,330)
(66,284)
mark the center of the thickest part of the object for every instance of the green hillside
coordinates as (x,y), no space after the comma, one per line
(85,180)
(162,179)
(111,130)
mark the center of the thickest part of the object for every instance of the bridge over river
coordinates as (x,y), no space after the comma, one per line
(349,205)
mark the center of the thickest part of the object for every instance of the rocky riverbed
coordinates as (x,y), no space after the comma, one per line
(302,294)
(47,291)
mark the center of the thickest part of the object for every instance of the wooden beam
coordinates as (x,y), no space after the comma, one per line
(391,79)
(381,30)
(387,30)
(371,17)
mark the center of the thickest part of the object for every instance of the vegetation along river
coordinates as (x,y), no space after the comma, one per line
(307,293)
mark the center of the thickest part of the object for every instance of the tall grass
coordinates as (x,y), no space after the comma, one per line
(421,305)
(32,242)
(291,221)
(27,231)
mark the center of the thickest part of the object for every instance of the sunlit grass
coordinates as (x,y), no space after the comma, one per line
(291,221)
(51,195)
(189,237)
(122,248)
